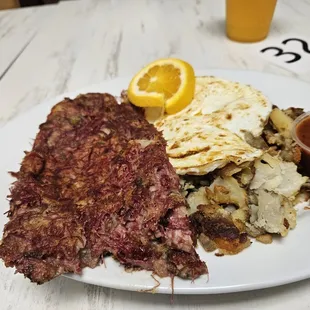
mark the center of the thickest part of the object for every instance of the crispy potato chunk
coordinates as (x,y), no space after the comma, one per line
(282,122)
(227,190)
(216,229)
(266,238)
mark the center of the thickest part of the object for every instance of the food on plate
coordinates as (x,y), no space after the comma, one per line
(163,85)
(259,195)
(282,122)
(285,146)
(272,184)
(301,134)
(238,163)
(275,175)
(210,132)
(266,239)
(216,229)
(97,181)
(198,147)
(178,159)
(273,213)
(275,186)
(229,105)
(226,190)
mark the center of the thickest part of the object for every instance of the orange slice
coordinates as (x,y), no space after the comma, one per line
(165,83)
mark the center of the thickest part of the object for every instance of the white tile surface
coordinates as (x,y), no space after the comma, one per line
(77,43)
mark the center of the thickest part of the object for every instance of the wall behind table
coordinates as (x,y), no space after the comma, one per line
(9,4)
(36,2)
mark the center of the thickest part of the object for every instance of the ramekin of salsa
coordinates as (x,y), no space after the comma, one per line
(301,134)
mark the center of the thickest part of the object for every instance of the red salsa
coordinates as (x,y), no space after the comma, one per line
(303,134)
(303,131)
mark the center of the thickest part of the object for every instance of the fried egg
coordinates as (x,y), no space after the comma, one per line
(196,147)
(229,105)
(209,133)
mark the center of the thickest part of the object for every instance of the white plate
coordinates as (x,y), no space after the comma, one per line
(284,261)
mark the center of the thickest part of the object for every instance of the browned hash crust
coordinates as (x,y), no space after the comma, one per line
(97,181)
(220,231)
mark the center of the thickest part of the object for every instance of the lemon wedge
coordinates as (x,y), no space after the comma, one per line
(165,83)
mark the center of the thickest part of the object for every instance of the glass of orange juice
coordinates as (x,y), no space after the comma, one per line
(249,20)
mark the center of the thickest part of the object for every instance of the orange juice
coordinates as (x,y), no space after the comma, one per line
(249,20)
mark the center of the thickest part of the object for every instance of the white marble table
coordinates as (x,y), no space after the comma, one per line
(53,49)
